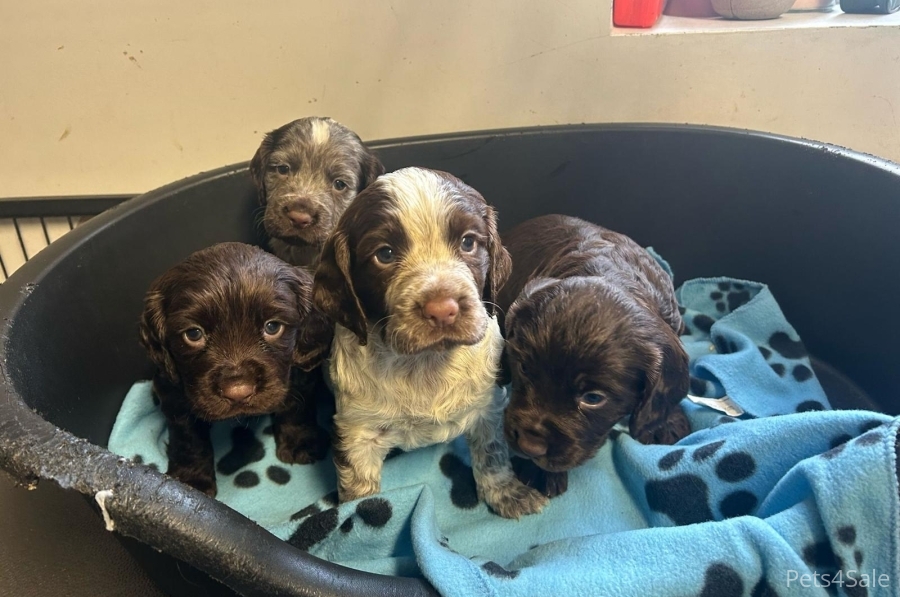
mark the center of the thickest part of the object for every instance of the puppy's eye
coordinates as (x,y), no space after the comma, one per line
(273,329)
(385,255)
(591,400)
(283,169)
(340,185)
(468,243)
(194,337)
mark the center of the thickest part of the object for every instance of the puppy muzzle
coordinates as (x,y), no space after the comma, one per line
(529,438)
(434,309)
(298,219)
(251,388)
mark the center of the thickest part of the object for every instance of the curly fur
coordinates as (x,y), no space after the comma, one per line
(400,381)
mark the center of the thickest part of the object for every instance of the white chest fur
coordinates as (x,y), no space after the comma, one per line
(411,401)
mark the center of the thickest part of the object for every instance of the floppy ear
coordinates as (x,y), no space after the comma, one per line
(370,168)
(333,292)
(521,307)
(258,167)
(536,284)
(507,327)
(658,418)
(499,263)
(314,332)
(153,335)
(301,283)
(313,340)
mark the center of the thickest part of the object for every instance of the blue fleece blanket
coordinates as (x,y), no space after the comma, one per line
(791,498)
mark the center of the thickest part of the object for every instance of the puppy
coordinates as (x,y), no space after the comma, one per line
(306,174)
(223,328)
(410,276)
(592,330)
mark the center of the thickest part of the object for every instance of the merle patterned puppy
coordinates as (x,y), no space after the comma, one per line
(410,275)
(592,332)
(306,174)
(223,328)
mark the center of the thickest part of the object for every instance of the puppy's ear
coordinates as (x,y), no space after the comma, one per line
(370,168)
(333,292)
(658,418)
(153,335)
(535,285)
(313,341)
(300,282)
(522,308)
(499,263)
(258,167)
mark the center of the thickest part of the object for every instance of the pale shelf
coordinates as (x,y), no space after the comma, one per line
(671,25)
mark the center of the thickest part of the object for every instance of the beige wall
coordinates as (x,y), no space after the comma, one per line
(105,96)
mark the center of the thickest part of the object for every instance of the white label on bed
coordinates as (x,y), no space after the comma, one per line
(724,404)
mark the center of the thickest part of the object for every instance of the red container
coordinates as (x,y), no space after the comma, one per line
(637,13)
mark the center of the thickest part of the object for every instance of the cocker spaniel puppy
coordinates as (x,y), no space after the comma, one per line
(410,276)
(223,328)
(306,174)
(592,332)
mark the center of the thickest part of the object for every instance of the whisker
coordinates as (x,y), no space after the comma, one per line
(259,218)
(375,325)
(494,305)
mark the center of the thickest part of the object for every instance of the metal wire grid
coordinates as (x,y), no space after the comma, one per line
(29,225)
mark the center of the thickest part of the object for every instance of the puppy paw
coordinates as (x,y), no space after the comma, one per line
(512,499)
(302,445)
(550,484)
(197,480)
(555,484)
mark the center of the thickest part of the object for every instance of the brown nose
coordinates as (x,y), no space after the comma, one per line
(441,312)
(530,443)
(238,391)
(300,219)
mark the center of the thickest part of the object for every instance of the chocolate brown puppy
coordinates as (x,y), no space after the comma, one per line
(592,330)
(306,174)
(224,328)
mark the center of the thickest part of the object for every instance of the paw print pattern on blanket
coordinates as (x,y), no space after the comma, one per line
(245,450)
(730,296)
(463,491)
(762,487)
(319,520)
(733,327)
(790,349)
(723,473)
(685,498)
(836,556)
(714,477)
(374,512)
(721,580)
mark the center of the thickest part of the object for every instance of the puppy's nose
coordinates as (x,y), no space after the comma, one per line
(238,391)
(530,443)
(441,312)
(300,219)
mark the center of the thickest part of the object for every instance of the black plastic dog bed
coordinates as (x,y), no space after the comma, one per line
(815,222)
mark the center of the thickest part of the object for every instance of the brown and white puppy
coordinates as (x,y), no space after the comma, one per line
(410,276)
(223,328)
(306,174)
(592,330)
